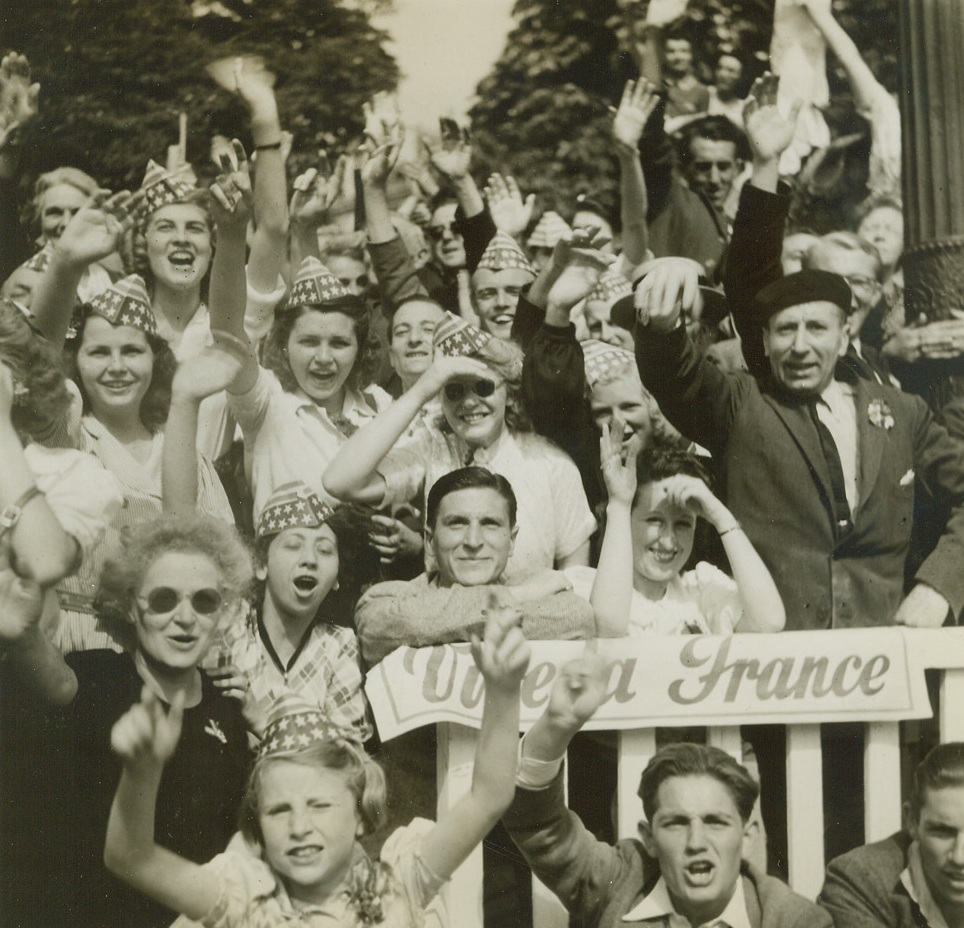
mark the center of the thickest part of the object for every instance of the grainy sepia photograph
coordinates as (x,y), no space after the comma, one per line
(482,464)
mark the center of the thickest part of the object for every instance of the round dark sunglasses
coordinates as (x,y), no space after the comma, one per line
(455,390)
(163,600)
(437,233)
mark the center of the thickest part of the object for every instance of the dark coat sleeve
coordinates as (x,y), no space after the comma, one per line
(753,261)
(585,874)
(554,391)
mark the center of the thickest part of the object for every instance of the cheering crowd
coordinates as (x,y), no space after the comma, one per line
(247,453)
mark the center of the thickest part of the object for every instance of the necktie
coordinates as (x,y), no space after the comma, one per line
(841,508)
(470,457)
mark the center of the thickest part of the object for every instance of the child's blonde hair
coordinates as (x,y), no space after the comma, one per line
(369,882)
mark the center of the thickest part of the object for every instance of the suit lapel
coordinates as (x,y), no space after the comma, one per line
(871,439)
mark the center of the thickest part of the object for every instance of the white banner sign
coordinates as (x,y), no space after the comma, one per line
(789,678)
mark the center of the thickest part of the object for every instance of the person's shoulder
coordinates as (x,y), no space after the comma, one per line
(536,447)
(101,665)
(392,588)
(878,861)
(780,905)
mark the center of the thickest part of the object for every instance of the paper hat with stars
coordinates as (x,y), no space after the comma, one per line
(314,283)
(610,287)
(293,505)
(160,188)
(126,303)
(41,260)
(503,253)
(456,337)
(295,725)
(603,360)
(549,229)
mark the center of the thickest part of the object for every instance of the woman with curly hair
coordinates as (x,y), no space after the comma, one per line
(483,422)
(164,595)
(311,796)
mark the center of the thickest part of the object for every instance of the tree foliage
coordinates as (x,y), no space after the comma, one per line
(116,73)
(542,113)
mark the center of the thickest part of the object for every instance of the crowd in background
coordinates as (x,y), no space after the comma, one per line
(247,452)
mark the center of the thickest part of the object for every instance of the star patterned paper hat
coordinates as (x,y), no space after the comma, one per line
(161,187)
(549,229)
(314,283)
(456,337)
(293,505)
(295,725)
(602,359)
(502,253)
(126,303)
(40,261)
(610,287)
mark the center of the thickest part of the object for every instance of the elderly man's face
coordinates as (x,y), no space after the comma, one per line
(57,207)
(712,168)
(472,537)
(803,343)
(699,839)
(939,829)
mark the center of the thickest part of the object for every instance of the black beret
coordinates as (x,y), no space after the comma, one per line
(808,286)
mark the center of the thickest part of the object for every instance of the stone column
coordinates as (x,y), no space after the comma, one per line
(932,108)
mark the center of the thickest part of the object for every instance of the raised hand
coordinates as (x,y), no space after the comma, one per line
(452,156)
(232,190)
(510,212)
(147,734)
(692,493)
(248,77)
(97,228)
(636,106)
(446,367)
(578,691)
(768,132)
(618,461)
(670,287)
(502,655)
(662,12)
(393,539)
(211,371)
(384,135)
(578,262)
(18,97)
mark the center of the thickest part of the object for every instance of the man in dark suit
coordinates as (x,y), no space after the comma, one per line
(915,878)
(819,465)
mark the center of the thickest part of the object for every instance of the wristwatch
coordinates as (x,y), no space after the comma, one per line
(11,514)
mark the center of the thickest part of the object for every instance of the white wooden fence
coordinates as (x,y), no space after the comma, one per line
(939,648)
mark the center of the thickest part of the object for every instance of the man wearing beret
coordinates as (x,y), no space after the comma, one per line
(819,464)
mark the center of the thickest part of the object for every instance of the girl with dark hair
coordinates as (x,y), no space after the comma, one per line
(313,561)
(311,796)
(640,586)
(121,380)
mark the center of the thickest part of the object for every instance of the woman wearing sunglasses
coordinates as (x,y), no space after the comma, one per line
(478,379)
(164,595)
